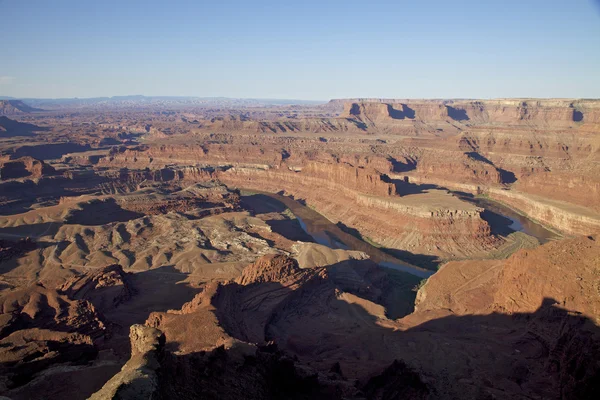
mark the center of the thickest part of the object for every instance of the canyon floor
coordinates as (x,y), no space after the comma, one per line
(357,249)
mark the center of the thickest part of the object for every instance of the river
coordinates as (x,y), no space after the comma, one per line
(502,220)
(329,234)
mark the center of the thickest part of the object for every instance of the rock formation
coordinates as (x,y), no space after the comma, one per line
(363,248)
(39,328)
(15,107)
(138,378)
(24,167)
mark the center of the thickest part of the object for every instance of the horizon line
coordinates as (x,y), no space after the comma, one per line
(293,99)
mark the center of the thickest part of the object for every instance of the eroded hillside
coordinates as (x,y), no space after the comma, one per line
(364,248)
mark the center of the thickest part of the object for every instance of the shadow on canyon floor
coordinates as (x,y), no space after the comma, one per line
(423,260)
(14,128)
(499,224)
(270,373)
(31,230)
(398,166)
(19,196)
(261,204)
(506,177)
(289,229)
(549,353)
(49,151)
(405,113)
(405,188)
(101,212)
(159,289)
(457,114)
(335,236)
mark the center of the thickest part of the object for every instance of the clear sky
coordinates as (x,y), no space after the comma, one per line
(301,49)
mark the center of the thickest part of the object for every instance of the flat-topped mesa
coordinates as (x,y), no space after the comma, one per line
(555,113)
(467,167)
(155,156)
(167,174)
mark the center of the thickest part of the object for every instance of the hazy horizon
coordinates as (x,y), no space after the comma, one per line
(117,97)
(313,51)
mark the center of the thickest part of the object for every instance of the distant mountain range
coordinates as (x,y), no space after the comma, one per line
(158,100)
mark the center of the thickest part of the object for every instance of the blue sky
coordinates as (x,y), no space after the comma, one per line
(301,49)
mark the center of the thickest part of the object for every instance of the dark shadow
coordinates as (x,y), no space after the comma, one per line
(320,227)
(403,188)
(478,157)
(409,112)
(49,151)
(160,289)
(317,348)
(547,353)
(261,204)
(18,197)
(457,114)
(130,136)
(405,113)
(12,128)
(263,373)
(13,170)
(109,141)
(398,166)
(503,220)
(100,212)
(354,109)
(157,290)
(354,232)
(577,116)
(426,261)
(359,124)
(15,248)
(398,381)
(52,353)
(30,230)
(499,224)
(506,177)
(289,229)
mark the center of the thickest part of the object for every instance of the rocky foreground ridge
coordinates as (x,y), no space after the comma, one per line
(540,343)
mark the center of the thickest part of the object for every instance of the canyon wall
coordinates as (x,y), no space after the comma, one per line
(555,112)
(418,225)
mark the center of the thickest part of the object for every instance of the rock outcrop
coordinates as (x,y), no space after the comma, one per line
(565,270)
(508,112)
(24,167)
(138,378)
(39,328)
(105,288)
